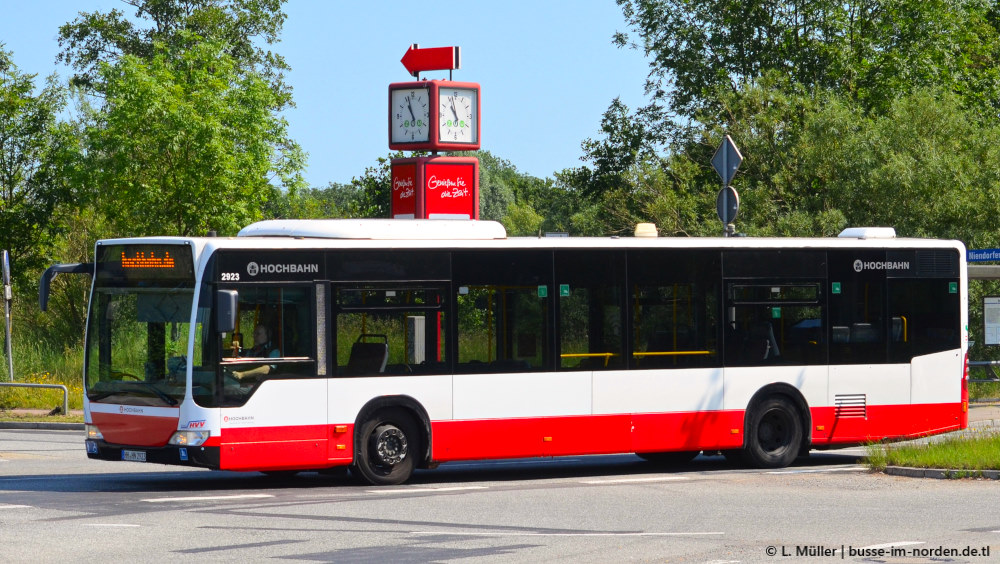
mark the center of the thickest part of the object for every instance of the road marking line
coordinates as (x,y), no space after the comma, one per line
(821,470)
(526,534)
(5,506)
(206,498)
(130,525)
(890,545)
(428,490)
(636,480)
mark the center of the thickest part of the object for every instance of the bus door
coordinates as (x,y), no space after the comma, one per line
(860,378)
(271,388)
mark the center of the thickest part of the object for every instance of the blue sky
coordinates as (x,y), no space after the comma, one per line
(548,71)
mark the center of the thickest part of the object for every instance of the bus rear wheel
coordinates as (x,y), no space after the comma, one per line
(774,433)
(387,449)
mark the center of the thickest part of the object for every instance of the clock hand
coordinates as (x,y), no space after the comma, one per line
(409,105)
(453,110)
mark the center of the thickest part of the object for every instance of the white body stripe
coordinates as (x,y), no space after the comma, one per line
(547,394)
(518,395)
(349,395)
(281,403)
(743,382)
(882,384)
(653,391)
(932,378)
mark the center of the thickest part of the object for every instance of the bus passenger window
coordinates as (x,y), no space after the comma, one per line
(590,286)
(383,331)
(503,302)
(499,329)
(674,298)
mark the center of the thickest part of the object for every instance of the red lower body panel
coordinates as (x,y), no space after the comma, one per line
(885,422)
(595,434)
(274,448)
(319,446)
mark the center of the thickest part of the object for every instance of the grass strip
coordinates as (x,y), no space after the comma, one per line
(976,451)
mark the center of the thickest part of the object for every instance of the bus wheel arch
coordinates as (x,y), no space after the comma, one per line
(391,439)
(776,427)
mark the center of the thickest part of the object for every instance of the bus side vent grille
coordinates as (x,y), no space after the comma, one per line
(851,406)
(941,263)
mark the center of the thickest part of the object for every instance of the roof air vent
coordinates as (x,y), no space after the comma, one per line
(868,233)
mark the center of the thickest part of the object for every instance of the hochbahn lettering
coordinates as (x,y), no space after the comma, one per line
(860,265)
(253,269)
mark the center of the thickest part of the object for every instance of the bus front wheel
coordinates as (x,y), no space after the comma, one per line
(388,446)
(773,434)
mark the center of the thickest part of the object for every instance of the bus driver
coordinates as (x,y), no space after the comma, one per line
(262,348)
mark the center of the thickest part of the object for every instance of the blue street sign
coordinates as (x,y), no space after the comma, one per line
(982,255)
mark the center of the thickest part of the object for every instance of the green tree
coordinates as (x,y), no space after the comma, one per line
(184,143)
(36,153)
(870,51)
(827,101)
(333,201)
(239,26)
(373,189)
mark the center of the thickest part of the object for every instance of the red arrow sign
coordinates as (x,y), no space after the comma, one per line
(417,60)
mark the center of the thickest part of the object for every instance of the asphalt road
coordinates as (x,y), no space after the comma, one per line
(56,505)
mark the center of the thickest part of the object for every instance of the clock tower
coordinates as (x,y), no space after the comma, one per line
(434,115)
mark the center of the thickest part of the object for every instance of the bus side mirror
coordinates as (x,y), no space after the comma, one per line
(225,310)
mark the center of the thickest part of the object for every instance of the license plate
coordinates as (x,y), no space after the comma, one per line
(134,455)
(91,447)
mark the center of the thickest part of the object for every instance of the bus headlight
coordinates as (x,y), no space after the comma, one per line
(93,432)
(189,438)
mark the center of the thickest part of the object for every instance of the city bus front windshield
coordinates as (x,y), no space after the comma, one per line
(137,345)
(139,324)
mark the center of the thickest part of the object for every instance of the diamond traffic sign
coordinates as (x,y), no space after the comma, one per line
(726,160)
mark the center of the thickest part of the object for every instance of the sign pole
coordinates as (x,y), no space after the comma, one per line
(725,193)
(7,297)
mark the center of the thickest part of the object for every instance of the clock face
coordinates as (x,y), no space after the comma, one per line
(409,112)
(457,114)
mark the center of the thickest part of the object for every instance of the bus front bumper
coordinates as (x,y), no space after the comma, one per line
(202,456)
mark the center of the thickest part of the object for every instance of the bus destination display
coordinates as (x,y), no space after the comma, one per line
(144,264)
(140,259)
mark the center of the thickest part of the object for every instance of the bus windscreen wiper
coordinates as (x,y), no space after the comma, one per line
(144,386)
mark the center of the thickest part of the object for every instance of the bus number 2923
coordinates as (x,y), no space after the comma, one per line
(230,276)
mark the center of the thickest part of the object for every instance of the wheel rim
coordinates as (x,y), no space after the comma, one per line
(774,433)
(389,444)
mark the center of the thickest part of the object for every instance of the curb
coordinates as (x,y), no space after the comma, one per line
(41,425)
(941,474)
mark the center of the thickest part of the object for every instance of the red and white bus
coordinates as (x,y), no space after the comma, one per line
(393,345)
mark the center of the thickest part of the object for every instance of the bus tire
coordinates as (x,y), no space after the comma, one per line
(774,433)
(669,458)
(388,446)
